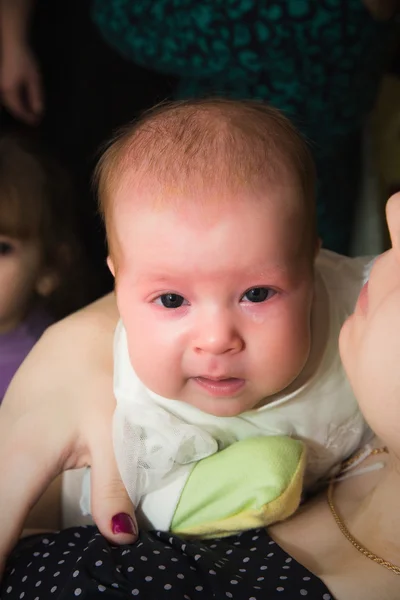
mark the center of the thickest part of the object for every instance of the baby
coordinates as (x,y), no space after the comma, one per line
(230,316)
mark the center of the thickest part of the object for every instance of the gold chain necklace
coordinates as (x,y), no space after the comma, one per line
(380,561)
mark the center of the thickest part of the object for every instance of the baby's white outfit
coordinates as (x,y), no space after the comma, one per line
(158,441)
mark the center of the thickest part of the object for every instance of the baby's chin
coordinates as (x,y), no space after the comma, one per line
(223,407)
(229,406)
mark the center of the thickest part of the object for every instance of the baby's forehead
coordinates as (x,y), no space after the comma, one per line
(192,214)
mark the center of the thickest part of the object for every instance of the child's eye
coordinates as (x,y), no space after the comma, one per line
(258,294)
(5,248)
(171,300)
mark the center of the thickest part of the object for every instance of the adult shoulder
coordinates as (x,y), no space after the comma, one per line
(68,356)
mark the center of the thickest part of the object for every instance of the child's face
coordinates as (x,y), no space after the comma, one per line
(215,301)
(370,340)
(20,263)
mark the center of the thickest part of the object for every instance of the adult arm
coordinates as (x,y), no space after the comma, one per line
(56,415)
(20,80)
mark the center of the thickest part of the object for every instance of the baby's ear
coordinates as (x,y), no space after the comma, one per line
(111,265)
(47,283)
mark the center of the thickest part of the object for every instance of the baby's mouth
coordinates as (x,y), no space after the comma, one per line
(220,386)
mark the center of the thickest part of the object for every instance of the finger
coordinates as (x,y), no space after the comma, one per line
(111,507)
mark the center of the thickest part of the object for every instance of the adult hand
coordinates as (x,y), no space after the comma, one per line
(21,84)
(56,416)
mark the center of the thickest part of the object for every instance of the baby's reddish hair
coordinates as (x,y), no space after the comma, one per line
(203,145)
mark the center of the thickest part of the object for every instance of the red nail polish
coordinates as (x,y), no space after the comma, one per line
(122,523)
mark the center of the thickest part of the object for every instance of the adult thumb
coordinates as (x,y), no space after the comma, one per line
(111,507)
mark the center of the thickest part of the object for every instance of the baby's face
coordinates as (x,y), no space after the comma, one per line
(216,301)
(20,263)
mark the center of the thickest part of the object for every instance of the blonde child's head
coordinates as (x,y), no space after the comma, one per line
(210,215)
(40,257)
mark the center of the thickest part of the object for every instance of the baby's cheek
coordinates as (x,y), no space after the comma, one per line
(281,351)
(295,341)
(294,347)
(153,356)
(142,342)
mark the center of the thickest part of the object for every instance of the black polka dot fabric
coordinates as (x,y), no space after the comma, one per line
(80,563)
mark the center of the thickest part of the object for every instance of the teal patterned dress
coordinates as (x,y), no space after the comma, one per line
(320,61)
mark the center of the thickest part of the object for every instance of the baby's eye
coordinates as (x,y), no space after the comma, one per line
(258,294)
(171,300)
(6,248)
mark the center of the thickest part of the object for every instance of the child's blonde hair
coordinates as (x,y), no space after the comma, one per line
(37,204)
(201,144)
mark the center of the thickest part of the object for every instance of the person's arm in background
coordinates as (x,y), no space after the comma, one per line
(56,415)
(20,80)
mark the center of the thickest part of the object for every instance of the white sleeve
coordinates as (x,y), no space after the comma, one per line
(149,442)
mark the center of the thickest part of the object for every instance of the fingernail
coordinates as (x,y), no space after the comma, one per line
(123,523)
